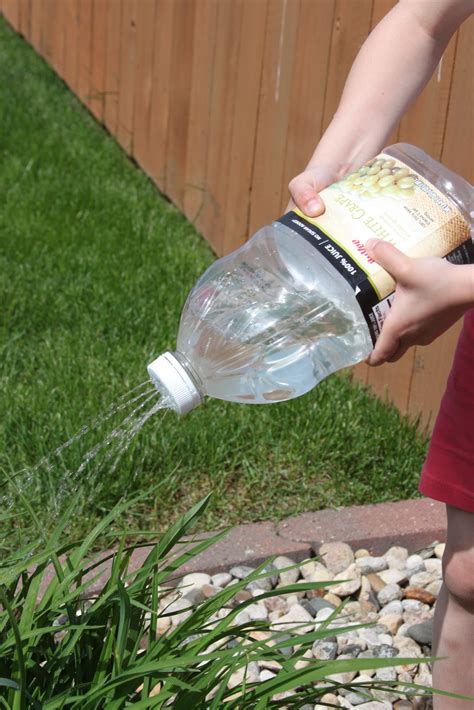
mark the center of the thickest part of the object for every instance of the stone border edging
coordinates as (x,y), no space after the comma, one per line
(413,524)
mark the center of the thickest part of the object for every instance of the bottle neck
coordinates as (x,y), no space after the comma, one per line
(190,371)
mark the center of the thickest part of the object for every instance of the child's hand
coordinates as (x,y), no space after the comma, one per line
(431,294)
(305,188)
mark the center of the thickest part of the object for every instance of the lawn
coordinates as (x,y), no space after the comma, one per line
(96,265)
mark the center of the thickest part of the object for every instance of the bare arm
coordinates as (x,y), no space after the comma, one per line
(394,64)
(391,69)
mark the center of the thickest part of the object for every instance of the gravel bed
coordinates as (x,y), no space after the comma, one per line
(395,592)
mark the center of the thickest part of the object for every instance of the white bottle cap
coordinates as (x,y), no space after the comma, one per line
(171,378)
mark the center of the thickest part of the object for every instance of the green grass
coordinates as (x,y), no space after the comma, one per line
(95,269)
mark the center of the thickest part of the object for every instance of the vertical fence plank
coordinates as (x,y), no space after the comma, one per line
(458,139)
(308,87)
(274,111)
(24,20)
(84,49)
(224,83)
(143,81)
(36,22)
(112,65)
(350,29)
(11,10)
(70,43)
(99,58)
(57,36)
(424,124)
(47,30)
(127,74)
(242,148)
(205,28)
(160,95)
(180,99)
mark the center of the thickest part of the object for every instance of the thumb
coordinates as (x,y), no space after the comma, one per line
(389,258)
(304,192)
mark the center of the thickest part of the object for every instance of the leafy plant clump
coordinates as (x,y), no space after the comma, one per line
(64,645)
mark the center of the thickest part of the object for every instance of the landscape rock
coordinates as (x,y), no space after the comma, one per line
(385,651)
(296,619)
(422,633)
(242,618)
(393,594)
(389,593)
(241,571)
(387,675)
(392,622)
(407,648)
(179,610)
(324,650)
(337,556)
(249,673)
(393,607)
(314,605)
(419,594)
(371,564)
(344,676)
(209,590)
(427,551)
(375,581)
(289,576)
(221,579)
(435,587)
(276,603)
(414,564)
(257,612)
(346,588)
(424,676)
(422,579)
(191,586)
(397,557)
(318,573)
(393,576)
(265,674)
(375,637)
(333,599)
(327,699)
(439,550)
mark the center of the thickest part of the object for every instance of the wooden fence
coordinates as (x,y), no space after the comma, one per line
(221,102)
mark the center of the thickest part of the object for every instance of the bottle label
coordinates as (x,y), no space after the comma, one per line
(388,200)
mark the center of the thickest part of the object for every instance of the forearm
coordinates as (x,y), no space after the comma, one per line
(463,286)
(391,69)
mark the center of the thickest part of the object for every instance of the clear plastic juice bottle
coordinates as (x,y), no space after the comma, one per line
(302,298)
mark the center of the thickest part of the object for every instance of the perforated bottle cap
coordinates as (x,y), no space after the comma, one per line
(173,380)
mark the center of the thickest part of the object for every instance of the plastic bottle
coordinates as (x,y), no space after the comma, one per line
(302,299)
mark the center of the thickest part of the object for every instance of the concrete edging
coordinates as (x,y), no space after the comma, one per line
(414,524)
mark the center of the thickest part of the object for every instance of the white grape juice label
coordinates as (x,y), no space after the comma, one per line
(388,200)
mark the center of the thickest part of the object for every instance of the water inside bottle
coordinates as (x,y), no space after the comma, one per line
(263,331)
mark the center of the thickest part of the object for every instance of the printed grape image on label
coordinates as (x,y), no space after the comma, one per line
(387,200)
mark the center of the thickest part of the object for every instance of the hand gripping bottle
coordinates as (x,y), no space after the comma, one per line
(302,298)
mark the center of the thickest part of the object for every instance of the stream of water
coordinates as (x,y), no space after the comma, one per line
(100,445)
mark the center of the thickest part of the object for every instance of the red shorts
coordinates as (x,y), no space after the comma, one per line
(448,473)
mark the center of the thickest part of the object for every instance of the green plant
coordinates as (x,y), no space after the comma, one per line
(63,646)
